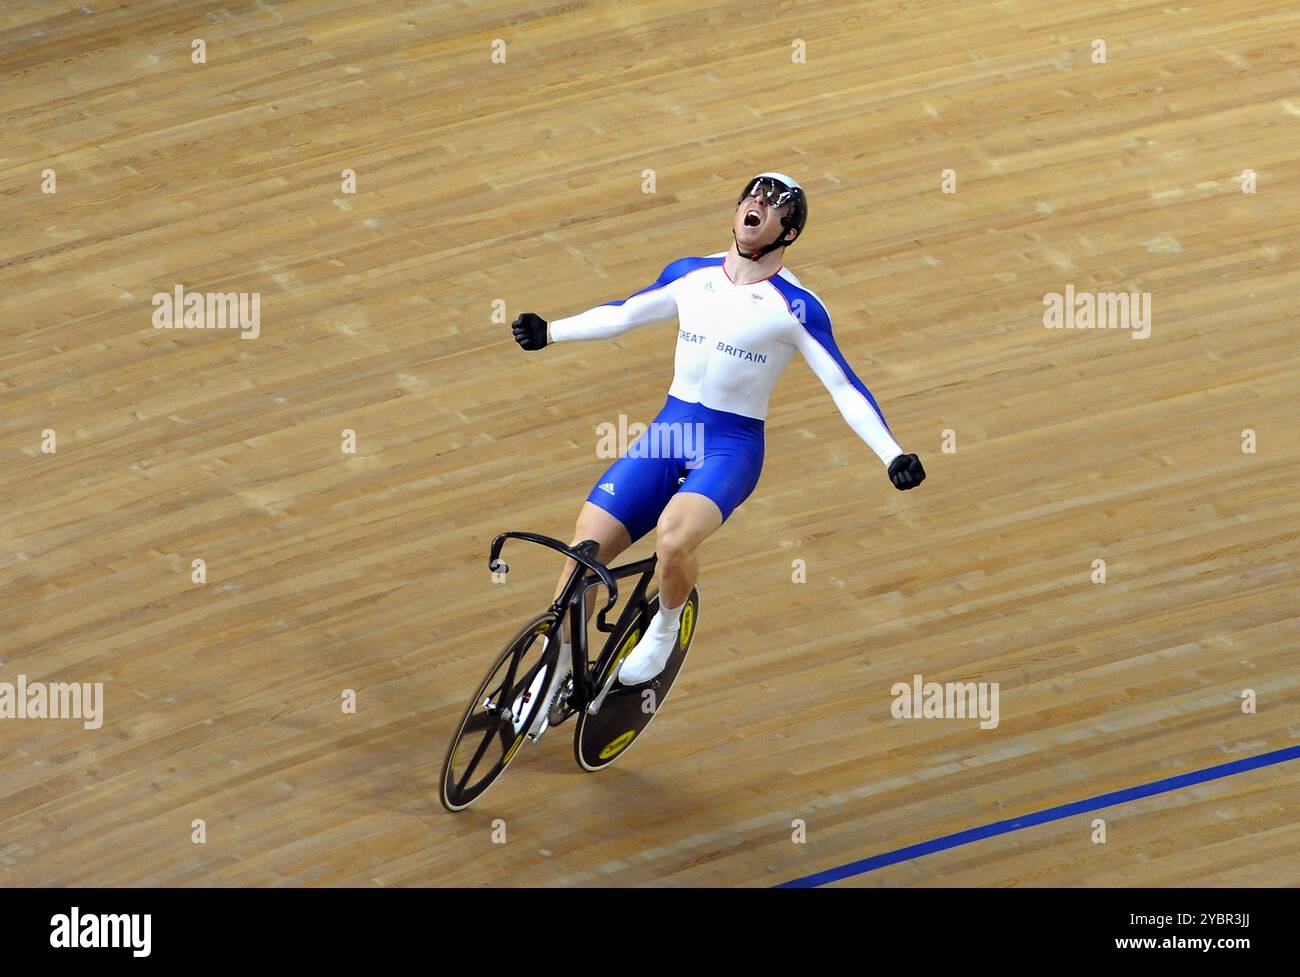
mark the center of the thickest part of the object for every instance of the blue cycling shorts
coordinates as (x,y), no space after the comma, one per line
(687,448)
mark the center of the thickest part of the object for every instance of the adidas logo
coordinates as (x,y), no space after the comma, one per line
(607,487)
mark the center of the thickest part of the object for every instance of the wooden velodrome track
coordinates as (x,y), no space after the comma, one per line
(522,183)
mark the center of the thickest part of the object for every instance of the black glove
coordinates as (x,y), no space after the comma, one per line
(906,472)
(530,330)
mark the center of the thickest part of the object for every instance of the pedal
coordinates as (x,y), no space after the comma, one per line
(536,734)
(621,689)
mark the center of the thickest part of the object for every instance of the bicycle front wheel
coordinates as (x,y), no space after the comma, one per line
(496,721)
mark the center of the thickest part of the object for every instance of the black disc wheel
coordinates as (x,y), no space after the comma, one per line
(602,738)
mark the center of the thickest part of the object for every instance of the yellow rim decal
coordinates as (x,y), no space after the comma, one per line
(616,746)
(628,645)
(513,748)
(688,623)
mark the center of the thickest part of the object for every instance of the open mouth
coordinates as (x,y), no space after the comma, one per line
(753,218)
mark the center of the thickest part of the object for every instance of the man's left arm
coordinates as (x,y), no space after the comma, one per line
(816,343)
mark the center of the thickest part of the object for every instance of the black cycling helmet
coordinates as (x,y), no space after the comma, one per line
(779,190)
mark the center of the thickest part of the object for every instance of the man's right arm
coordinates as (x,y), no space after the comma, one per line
(652,304)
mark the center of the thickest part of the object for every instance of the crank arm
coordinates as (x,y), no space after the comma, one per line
(596,703)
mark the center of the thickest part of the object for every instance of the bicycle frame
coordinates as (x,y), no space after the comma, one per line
(572,600)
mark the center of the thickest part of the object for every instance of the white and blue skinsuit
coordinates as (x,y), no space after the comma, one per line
(733,342)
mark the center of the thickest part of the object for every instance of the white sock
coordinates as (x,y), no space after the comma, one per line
(670,618)
(651,654)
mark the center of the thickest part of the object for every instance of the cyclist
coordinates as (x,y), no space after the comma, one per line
(742,316)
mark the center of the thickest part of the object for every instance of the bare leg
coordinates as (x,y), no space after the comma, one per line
(687,520)
(595,523)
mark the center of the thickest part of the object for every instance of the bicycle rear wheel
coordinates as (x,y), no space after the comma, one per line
(602,738)
(496,721)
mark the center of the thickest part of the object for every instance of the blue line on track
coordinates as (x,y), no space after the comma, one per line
(1042,817)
